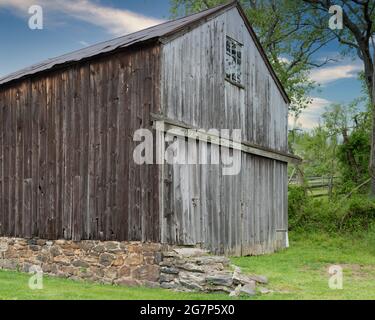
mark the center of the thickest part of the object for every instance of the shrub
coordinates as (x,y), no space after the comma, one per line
(296,204)
(353,215)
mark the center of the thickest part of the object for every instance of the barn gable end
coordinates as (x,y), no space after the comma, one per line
(236,215)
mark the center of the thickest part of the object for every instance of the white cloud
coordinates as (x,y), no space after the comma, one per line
(115,21)
(310,117)
(84,43)
(334,73)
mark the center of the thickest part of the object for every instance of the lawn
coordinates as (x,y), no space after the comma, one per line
(300,272)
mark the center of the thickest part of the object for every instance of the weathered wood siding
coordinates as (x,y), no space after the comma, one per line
(236,215)
(194,89)
(66,151)
(241,214)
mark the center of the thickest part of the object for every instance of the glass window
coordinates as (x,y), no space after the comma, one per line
(233,61)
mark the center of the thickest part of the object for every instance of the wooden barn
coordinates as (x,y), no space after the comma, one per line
(67,140)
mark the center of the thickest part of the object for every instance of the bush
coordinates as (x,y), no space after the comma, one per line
(296,204)
(353,215)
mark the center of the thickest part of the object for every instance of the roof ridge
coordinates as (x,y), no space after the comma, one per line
(33,69)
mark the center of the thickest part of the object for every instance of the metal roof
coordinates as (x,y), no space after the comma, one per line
(153,33)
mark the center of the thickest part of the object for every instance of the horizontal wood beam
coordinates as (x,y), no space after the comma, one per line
(179,128)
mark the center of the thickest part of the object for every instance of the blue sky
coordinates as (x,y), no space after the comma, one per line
(73,24)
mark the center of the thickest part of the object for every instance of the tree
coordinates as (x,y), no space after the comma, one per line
(356,39)
(288,42)
(351,127)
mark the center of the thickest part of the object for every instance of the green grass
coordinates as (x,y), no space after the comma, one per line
(300,272)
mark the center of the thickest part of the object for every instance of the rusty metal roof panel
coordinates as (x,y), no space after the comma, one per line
(138,37)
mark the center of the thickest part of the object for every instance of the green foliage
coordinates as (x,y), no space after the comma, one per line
(296,205)
(318,150)
(339,147)
(340,215)
(358,144)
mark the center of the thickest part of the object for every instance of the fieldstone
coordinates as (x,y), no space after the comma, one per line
(62,260)
(26,267)
(91,260)
(190,252)
(192,281)
(224,279)
(32,242)
(110,273)
(248,289)
(69,245)
(40,242)
(11,253)
(147,272)
(8,264)
(236,292)
(239,278)
(124,272)
(134,259)
(258,279)
(86,274)
(191,285)
(243,280)
(112,246)
(150,284)
(264,290)
(135,248)
(42,257)
(35,247)
(68,253)
(158,257)
(191,267)
(119,261)
(3,246)
(87,245)
(49,268)
(170,254)
(128,282)
(212,260)
(67,270)
(97,272)
(167,262)
(124,247)
(170,285)
(80,264)
(164,277)
(216,289)
(55,251)
(98,249)
(169,270)
(106,259)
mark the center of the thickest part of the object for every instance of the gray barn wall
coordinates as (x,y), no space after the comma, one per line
(236,215)
(66,151)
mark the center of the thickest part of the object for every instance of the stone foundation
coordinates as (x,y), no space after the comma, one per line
(129,264)
(189,269)
(123,263)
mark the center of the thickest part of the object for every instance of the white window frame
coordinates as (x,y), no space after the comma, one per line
(233,61)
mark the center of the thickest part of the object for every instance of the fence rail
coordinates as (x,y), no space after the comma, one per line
(317,186)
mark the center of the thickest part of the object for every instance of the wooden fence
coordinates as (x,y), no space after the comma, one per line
(318,186)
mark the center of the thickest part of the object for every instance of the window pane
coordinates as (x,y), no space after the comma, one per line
(233,60)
